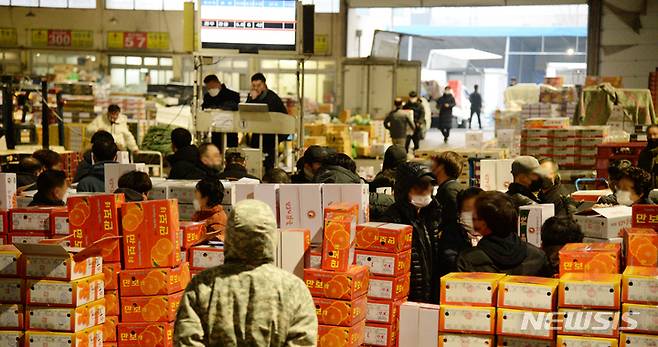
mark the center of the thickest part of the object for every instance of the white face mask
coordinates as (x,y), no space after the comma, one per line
(213,92)
(421,201)
(624,197)
(466,220)
(197,206)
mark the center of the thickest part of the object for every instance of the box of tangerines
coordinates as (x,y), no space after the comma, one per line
(94,217)
(641,247)
(150,234)
(590,258)
(146,334)
(157,308)
(65,293)
(158,281)
(341,312)
(329,335)
(339,235)
(383,237)
(347,285)
(110,328)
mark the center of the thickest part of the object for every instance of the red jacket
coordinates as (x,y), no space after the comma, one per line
(215,219)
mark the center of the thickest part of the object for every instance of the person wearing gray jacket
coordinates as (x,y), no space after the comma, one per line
(400,124)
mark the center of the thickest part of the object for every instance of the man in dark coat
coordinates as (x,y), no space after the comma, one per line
(650,152)
(527,181)
(415,206)
(445,104)
(309,164)
(218,96)
(51,189)
(476,106)
(447,167)
(261,94)
(393,157)
(185,162)
(501,250)
(416,105)
(28,171)
(103,152)
(235,168)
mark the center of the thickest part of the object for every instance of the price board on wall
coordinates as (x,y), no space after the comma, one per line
(62,38)
(137,40)
(8,37)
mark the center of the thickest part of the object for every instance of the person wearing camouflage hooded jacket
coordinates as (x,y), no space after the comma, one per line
(248,301)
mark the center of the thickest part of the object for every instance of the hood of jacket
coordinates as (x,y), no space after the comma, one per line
(131,195)
(188,153)
(408,174)
(251,234)
(336,174)
(506,251)
(394,156)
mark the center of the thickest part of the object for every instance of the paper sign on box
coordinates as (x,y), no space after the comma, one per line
(300,206)
(531,219)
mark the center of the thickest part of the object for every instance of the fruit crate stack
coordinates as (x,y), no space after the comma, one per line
(572,146)
(386,250)
(339,288)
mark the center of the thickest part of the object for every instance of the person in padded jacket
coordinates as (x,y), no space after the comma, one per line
(501,250)
(415,206)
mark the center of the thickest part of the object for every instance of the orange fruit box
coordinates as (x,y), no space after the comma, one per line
(590,258)
(633,340)
(388,288)
(639,285)
(446,340)
(583,341)
(191,233)
(383,311)
(384,264)
(341,312)
(572,321)
(383,237)
(10,257)
(590,290)
(150,234)
(470,288)
(94,217)
(341,209)
(110,328)
(528,293)
(158,281)
(333,336)
(159,308)
(645,216)
(467,319)
(146,334)
(641,247)
(112,303)
(381,334)
(92,337)
(111,272)
(65,294)
(509,322)
(646,317)
(338,242)
(65,319)
(13,317)
(347,285)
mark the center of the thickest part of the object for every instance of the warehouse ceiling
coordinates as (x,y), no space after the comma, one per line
(433,3)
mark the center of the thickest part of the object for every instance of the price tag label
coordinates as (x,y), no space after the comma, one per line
(132,40)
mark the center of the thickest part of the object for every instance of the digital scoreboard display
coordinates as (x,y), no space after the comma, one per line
(248,24)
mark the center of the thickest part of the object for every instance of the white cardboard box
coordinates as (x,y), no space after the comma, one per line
(604,222)
(269,194)
(428,325)
(293,249)
(474,138)
(123,157)
(350,193)
(183,190)
(7,191)
(409,319)
(301,207)
(241,191)
(531,218)
(114,171)
(496,174)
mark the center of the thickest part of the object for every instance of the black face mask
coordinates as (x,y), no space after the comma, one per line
(536,185)
(652,143)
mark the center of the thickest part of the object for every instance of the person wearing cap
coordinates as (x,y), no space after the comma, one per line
(527,175)
(400,124)
(393,157)
(416,105)
(415,206)
(553,191)
(235,168)
(310,164)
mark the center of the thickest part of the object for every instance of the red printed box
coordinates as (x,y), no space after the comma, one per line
(33,219)
(160,281)
(94,217)
(337,285)
(4,222)
(12,290)
(112,307)
(59,223)
(338,242)
(65,294)
(146,334)
(590,258)
(384,264)
(384,335)
(641,247)
(645,216)
(340,312)
(332,336)
(191,233)
(150,234)
(11,317)
(383,311)
(110,329)
(111,272)
(9,261)
(160,308)
(388,288)
(382,237)
(27,237)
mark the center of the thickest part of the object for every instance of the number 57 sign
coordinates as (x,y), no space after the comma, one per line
(137,40)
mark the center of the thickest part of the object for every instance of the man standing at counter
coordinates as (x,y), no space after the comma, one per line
(260,94)
(218,96)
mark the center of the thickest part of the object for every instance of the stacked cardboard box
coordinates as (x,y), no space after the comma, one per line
(70,161)
(32,224)
(509,139)
(519,297)
(495,174)
(153,276)
(571,146)
(339,288)
(589,295)
(386,250)
(337,136)
(604,224)
(7,201)
(602,258)
(531,219)
(51,295)
(640,301)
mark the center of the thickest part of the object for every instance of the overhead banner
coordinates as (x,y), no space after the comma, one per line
(8,37)
(62,38)
(137,40)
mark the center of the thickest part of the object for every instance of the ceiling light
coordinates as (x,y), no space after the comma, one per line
(570,51)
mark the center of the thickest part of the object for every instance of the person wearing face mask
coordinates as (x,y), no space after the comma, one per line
(211,160)
(649,153)
(310,164)
(218,96)
(419,125)
(462,235)
(527,175)
(553,192)
(415,206)
(633,187)
(615,171)
(445,104)
(116,124)
(51,189)
(208,198)
(447,167)
(500,250)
